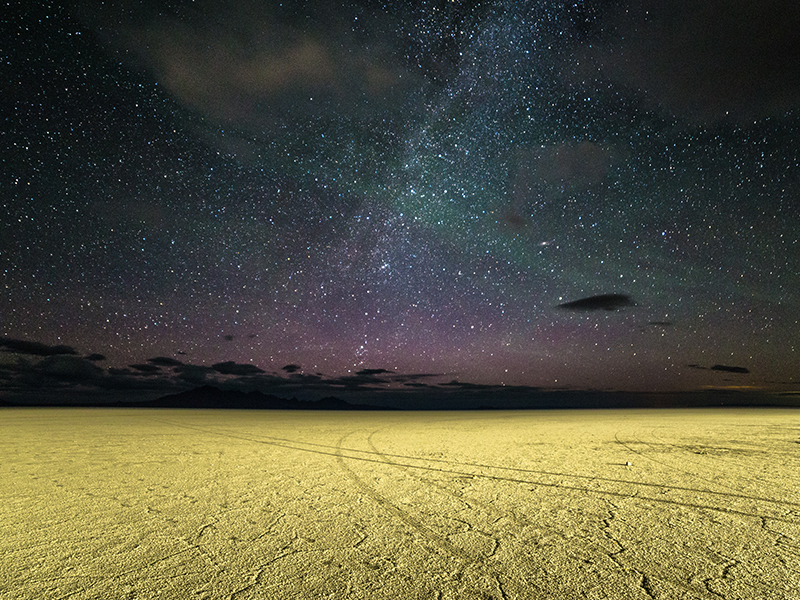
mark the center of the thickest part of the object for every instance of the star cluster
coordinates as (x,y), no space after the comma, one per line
(417,187)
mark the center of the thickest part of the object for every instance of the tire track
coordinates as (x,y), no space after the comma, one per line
(581,549)
(737,492)
(486,508)
(688,455)
(299,446)
(437,540)
(433,537)
(646,578)
(367,456)
(469,563)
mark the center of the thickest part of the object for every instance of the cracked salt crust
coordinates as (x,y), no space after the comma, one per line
(200,504)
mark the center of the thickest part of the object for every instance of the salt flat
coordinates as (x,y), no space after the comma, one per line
(118,503)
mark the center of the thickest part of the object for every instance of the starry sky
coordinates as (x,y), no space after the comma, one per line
(323,195)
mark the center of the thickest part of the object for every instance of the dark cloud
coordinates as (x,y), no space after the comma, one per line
(164,361)
(372,379)
(96,357)
(74,380)
(307,379)
(723,368)
(232,368)
(413,377)
(228,338)
(729,369)
(356,382)
(146,368)
(293,384)
(115,372)
(65,367)
(704,59)
(455,383)
(51,375)
(34,348)
(291,368)
(193,374)
(372,371)
(600,302)
(487,390)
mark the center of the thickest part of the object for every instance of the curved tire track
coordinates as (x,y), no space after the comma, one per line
(372,457)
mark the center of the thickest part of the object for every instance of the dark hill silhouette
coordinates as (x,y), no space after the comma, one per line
(212,397)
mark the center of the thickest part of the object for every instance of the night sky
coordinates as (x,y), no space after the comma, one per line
(314,197)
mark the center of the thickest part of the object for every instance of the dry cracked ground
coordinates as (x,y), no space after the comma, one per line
(137,504)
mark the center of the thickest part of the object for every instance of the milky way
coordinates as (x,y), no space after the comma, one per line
(418,188)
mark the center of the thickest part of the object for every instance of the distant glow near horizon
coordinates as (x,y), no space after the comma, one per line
(425,189)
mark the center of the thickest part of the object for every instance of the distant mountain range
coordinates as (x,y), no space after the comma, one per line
(212,397)
(429,399)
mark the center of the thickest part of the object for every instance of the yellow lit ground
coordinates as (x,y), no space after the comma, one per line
(138,504)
